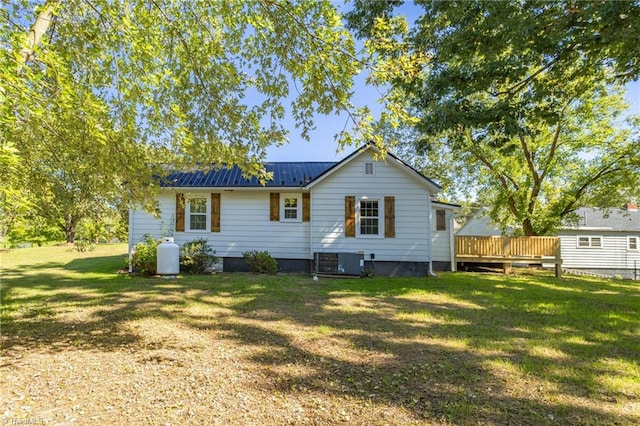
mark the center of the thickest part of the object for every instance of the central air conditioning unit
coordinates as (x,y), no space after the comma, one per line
(339,263)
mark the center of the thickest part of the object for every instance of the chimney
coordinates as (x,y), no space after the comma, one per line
(632,207)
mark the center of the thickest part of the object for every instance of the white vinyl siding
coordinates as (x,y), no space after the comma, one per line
(612,254)
(412,237)
(245,215)
(441,240)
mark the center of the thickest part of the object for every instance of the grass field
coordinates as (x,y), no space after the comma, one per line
(82,344)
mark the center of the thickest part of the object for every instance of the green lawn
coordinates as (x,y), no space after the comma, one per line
(83,343)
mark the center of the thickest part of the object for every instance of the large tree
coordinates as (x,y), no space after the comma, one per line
(524,98)
(118,88)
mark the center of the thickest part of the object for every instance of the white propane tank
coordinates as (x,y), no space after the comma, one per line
(168,257)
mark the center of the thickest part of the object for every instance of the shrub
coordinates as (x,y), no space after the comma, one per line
(197,257)
(260,262)
(145,256)
(82,245)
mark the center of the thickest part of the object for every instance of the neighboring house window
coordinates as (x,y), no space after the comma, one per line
(368,168)
(632,243)
(441,220)
(196,211)
(291,206)
(589,242)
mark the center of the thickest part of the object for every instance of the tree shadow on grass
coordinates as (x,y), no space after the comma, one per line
(455,364)
(444,350)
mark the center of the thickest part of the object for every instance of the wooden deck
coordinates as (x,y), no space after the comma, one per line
(508,250)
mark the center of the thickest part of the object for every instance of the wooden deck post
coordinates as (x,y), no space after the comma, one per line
(558,254)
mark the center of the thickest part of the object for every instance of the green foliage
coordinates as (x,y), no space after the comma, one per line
(145,257)
(33,229)
(118,85)
(82,246)
(260,262)
(519,102)
(197,257)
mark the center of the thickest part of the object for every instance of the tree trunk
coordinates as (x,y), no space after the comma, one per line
(527,228)
(70,234)
(70,225)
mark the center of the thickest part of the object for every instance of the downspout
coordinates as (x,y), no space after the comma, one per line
(130,238)
(452,243)
(313,266)
(430,238)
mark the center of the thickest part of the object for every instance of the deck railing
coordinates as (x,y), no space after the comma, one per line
(482,249)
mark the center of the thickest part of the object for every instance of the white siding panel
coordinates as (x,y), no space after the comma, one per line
(613,254)
(244,226)
(145,223)
(411,242)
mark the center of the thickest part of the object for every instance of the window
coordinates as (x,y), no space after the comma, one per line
(196,211)
(589,242)
(441,220)
(290,208)
(632,243)
(369,217)
(368,168)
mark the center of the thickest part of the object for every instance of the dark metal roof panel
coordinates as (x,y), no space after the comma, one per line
(285,174)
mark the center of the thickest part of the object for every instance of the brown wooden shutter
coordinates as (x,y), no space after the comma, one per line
(274,206)
(349,216)
(179,212)
(306,207)
(390,217)
(215,212)
(441,220)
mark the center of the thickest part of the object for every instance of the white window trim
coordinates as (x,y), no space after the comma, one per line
(187,213)
(590,239)
(298,198)
(380,201)
(637,239)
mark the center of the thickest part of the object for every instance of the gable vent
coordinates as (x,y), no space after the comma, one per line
(368,168)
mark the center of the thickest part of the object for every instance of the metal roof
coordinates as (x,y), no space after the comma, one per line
(285,174)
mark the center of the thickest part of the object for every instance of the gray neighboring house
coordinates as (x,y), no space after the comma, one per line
(603,241)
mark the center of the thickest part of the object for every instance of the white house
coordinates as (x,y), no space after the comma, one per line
(312,216)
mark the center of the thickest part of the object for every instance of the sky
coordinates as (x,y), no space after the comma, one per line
(323,146)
